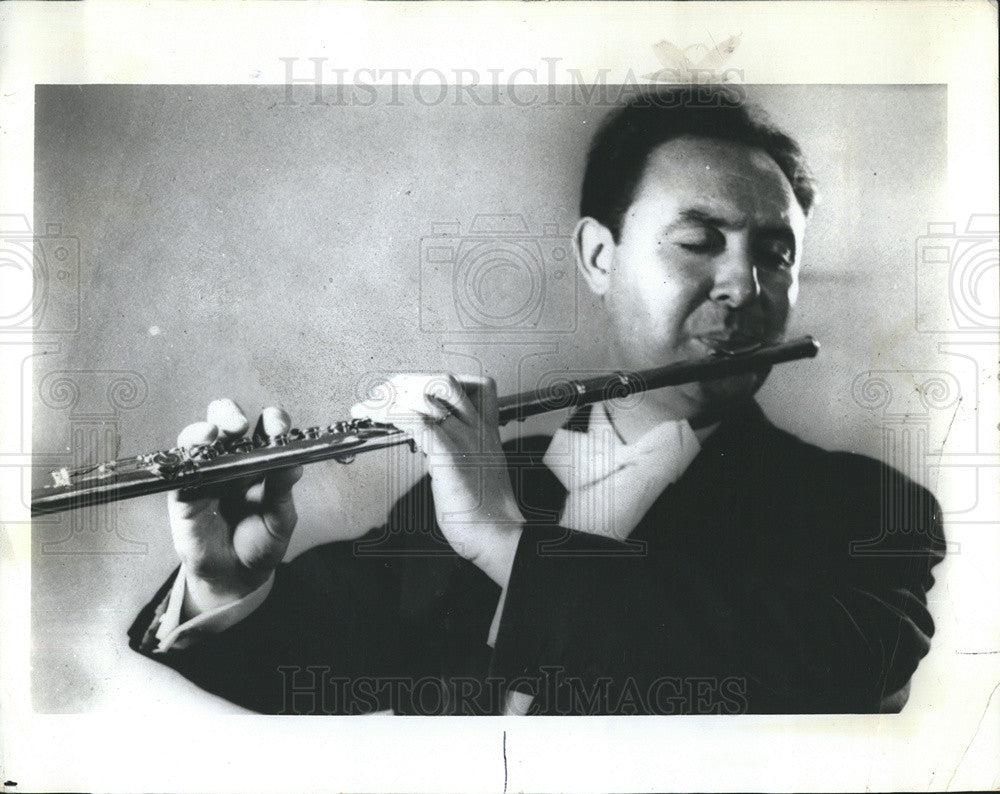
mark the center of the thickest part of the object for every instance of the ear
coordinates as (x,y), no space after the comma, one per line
(594,246)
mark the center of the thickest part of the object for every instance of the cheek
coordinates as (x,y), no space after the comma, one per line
(779,291)
(654,311)
(662,292)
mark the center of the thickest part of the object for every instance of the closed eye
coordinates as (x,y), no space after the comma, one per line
(698,239)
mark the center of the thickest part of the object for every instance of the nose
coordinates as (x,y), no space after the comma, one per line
(736,284)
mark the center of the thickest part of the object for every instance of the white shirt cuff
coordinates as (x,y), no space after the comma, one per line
(172,634)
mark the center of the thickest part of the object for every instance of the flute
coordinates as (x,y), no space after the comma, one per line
(202,465)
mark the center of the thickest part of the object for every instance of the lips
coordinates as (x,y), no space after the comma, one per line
(730,342)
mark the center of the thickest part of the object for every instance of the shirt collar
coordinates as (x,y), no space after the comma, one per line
(588,448)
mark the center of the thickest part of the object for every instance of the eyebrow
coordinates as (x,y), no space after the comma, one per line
(781,232)
(706,218)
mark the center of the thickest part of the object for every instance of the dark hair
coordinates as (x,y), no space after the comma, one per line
(629,133)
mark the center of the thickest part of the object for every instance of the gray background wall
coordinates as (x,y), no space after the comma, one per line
(232,244)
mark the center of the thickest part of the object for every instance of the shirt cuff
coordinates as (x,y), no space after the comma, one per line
(174,635)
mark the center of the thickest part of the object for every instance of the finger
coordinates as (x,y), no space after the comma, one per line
(398,413)
(276,421)
(482,393)
(259,546)
(240,497)
(277,505)
(278,483)
(273,487)
(428,434)
(197,433)
(475,383)
(402,402)
(403,399)
(187,504)
(446,392)
(227,416)
(227,498)
(379,398)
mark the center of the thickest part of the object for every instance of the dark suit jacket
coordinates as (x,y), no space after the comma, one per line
(773,576)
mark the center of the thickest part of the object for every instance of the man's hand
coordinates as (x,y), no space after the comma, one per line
(230,537)
(454,422)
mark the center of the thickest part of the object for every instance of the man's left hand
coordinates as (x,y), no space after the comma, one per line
(454,422)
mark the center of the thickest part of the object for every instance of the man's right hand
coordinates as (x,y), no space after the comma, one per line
(231,537)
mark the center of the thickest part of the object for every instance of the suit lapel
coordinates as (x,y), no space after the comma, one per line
(710,507)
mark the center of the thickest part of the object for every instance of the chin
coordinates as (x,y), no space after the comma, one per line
(715,396)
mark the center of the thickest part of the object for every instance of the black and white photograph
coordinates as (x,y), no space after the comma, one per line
(655,397)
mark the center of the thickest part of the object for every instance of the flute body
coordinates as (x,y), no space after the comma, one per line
(207,464)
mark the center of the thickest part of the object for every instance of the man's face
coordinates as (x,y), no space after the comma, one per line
(709,249)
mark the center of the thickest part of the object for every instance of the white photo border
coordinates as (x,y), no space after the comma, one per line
(244,43)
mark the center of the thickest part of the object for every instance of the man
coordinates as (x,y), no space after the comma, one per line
(676,554)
